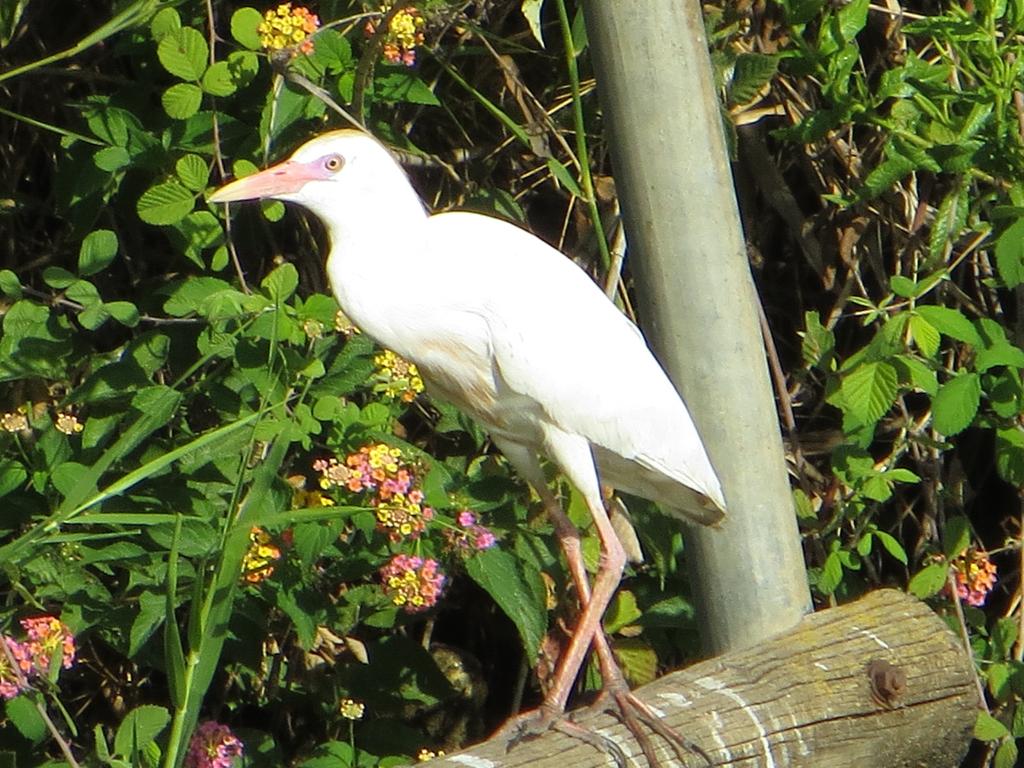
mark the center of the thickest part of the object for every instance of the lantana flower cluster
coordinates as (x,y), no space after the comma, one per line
(18,419)
(975,575)
(470,535)
(379,468)
(213,745)
(22,661)
(404,33)
(397,378)
(288,29)
(413,583)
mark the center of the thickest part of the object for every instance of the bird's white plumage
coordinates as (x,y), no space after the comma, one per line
(505,327)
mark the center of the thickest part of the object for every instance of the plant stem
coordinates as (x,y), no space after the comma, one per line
(586,181)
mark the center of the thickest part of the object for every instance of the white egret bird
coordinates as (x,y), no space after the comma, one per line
(509,330)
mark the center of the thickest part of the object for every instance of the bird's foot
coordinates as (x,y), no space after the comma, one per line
(536,722)
(636,716)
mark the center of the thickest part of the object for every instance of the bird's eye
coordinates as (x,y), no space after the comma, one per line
(334,163)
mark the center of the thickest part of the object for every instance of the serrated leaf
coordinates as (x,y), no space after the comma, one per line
(945,225)
(637,659)
(892,546)
(926,336)
(245,24)
(193,172)
(125,312)
(929,581)
(987,728)
(165,22)
(751,73)
(182,101)
(1010,254)
(96,252)
(1010,455)
(869,390)
(183,53)
(917,374)
(333,50)
(955,405)
(1006,755)
(622,612)
(818,342)
(244,65)
(218,79)
(165,203)
(903,286)
(21,710)
(518,592)
(951,322)
(281,283)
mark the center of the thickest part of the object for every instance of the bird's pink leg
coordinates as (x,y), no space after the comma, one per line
(633,712)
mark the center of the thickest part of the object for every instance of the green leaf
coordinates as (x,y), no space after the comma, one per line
(83,292)
(519,593)
(564,177)
(404,87)
(281,283)
(1010,455)
(333,50)
(218,80)
(10,285)
(183,52)
(869,390)
(903,286)
(818,342)
(97,251)
(165,203)
(751,73)
(956,536)
(58,278)
(929,581)
(531,12)
(622,612)
(831,575)
(164,23)
(1010,254)
(139,728)
(111,159)
(892,546)
(125,312)
(22,711)
(182,101)
(245,24)
(956,404)
(193,172)
(926,336)
(1006,755)
(951,322)
(987,728)
(638,660)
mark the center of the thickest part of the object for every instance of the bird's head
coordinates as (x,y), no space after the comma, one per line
(339,173)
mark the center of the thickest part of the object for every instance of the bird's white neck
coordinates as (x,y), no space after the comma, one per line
(376,249)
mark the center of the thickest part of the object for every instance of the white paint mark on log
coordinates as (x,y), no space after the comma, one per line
(872,635)
(675,700)
(711,684)
(472,761)
(717,727)
(823,667)
(802,749)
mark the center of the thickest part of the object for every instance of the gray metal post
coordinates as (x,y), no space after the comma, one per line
(697,304)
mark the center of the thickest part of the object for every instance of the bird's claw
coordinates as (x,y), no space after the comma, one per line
(530,725)
(619,701)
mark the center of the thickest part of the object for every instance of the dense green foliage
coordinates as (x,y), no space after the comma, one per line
(176,381)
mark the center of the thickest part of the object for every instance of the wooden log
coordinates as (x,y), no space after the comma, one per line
(879,682)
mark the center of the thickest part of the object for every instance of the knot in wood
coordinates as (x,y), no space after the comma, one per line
(887,681)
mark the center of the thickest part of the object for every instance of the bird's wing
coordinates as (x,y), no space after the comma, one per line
(557,340)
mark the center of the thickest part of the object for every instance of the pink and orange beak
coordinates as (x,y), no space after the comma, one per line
(281,180)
